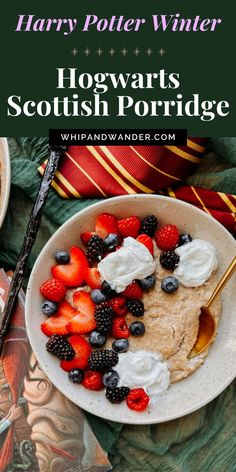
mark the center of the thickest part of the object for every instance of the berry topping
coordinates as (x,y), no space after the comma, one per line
(120,328)
(97,339)
(82,352)
(62,257)
(95,248)
(136,307)
(49,308)
(111,378)
(133,290)
(111,241)
(129,226)
(59,346)
(53,289)
(72,274)
(169,284)
(137,328)
(184,239)
(118,305)
(106,224)
(167,237)
(149,225)
(137,399)
(98,296)
(83,320)
(85,237)
(103,359)
(76,375)
(146,241)
(104,318)
(169,260)
(92,277)
(57,324)
(120,345)
(93,380)
(117,394)
(148,282)
(106,288)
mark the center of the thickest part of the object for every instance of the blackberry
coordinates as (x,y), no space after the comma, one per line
(135,306)
(102,360)
(117,394)
(59,346)
(104,318)
(169,260)
(148,225)
(95,248)
(107,290)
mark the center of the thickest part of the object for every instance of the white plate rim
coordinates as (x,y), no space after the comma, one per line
(6,178)
(139,420)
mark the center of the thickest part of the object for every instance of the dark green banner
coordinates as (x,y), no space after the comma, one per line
(164,64)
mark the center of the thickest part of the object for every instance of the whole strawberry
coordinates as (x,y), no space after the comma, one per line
(167,237)
(129,226)
(53,289)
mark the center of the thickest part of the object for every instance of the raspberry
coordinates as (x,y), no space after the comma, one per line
(104,318)
(120,329)
(167,237)
(129,226)
(149,225)
(118,306)
(146,241)
(136,307)
(59,346)
(117,394)
(53,290)
(133,290)
(95,248)
(169,260)
(137,399)
(103,359)
(92,380)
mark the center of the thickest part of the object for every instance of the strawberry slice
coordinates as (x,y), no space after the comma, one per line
(85,237)
(106,224)
(92,278)
(83,320)
(72,274)
(82,352)
(56,324)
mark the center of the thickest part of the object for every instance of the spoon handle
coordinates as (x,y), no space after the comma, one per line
(223,281)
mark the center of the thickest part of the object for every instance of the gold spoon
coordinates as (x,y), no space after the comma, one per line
(207,325)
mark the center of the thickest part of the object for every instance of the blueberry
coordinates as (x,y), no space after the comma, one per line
(184,239)
(148,282)
(120,345)
(98,296)
(97,339)
(76,375)
(49,308)
(107,290)
(111,378)
(111,241)
(169,284)
(62,257)
(137,328)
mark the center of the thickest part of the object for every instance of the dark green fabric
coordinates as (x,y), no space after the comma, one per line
(204,441)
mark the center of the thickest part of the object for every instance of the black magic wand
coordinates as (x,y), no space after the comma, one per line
(56,152)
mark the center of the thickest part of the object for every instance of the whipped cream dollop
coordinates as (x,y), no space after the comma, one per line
(143,369)
(198,259)
(132,261)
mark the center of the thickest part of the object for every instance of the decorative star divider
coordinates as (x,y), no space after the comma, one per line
(112,52)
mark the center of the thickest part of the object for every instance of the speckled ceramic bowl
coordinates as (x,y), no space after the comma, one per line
(5,178)
(219,368)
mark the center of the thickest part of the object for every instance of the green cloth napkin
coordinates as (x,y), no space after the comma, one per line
(204,441)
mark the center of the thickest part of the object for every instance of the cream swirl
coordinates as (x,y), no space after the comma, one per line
(132,261)
(143,369)
(198,259)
